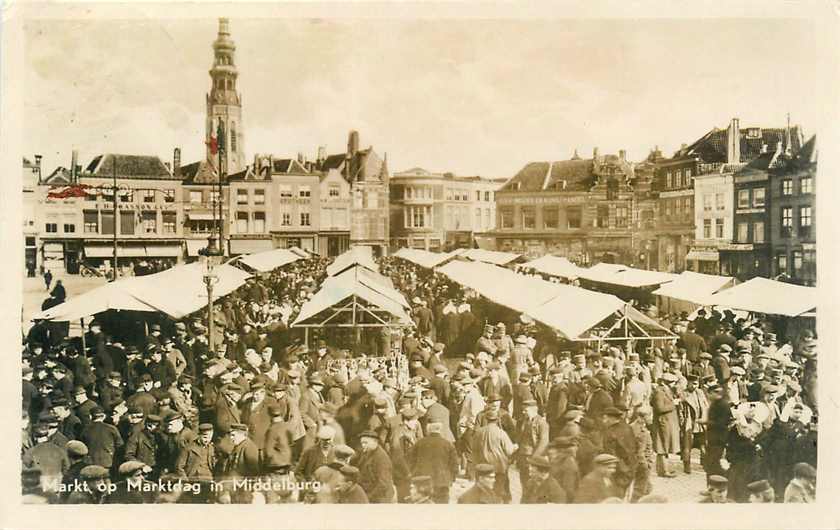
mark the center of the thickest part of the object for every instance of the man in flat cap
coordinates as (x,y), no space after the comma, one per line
(244,458)
(484,490)
(143,397)
(761,492)
(97,483)
(329,475)
(349,491)
(620,441)
(562,455)
(173,439)
(541,487)
(375,474)
(420,490)
(144,445)
(404,437)
(599,484)
(277,444)
(77,453)
(597,398)
(316,456)
(691,411)
(532,437)
(492,445)
(129,489)
(197,459)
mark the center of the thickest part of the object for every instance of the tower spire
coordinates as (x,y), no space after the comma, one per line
(224,103)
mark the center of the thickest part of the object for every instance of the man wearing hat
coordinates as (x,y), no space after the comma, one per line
(404,436)
(761,492)
(197,459)
(485,342)
(484,490)
(620,441)
(717,491)
(717,430)
(311,402)
(97,484)
(502,341)
(129,489)
(436,413)
(226,408)
(68,423)
(440,384)
(143,445)
(599,484)
(542,488)
(316,456)
(423,317)
(490,444)
(562,455)
(278,441)
(435,456)
(691,410)
(666,427)
(77,453)
(693,343)
(111,391)
(329,475)
(736,387)
(84,405)
(244,457)
(802,488)
(532,436)
(375,470)
(521,357)
(173,439)
(597,398)
(349,491)
(521,392)
(720,364)
(143,398)
(420,490)
(161,369)
(102,439)
(51,459)
(558,401)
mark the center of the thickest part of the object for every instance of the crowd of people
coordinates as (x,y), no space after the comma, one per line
(493,404)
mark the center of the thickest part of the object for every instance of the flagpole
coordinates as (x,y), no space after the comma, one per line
(115,216)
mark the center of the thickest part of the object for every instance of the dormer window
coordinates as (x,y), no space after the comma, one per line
(753,132)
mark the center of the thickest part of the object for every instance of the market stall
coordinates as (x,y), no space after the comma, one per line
(690,290)
(269,260)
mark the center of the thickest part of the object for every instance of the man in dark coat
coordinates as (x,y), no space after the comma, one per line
(599,483)
(318,455)
(436,457)
(720,363)
(541,487)
(143,398)
(717,431)
(483,492)
(197,458)
(597,399)
(532,437)
(692,342)
(349,491)
(436,413)
(666,426)
(143,444)
(110,391)
(255,413)
(173,440)
(102,439)
(277,444)
(620,441)
(374,470)
(244,458)
(84,405)
(562,452)
(558,401)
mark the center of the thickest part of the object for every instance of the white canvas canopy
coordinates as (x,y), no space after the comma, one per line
(570,310)
(625,276)
(356,292)
(555,266)
(177,292)
(760,295)
(489,256)
(270,259)
(424,258)
(501,286)
(694,287)
(360,255)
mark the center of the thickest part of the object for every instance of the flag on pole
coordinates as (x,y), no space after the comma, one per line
(213,143)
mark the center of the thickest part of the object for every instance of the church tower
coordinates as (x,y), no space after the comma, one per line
(224,104)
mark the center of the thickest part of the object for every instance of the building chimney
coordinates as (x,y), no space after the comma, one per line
(176,162)
(322,153)
(733,142)
(74,161)
(622,155)
(353,143)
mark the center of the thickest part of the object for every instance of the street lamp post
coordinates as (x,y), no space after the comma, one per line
(210,279)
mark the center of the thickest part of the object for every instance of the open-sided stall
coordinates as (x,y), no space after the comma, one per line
(269,260)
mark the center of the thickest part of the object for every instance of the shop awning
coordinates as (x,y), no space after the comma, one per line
(760,295)
(554,266)
(269,260)
(103,298)
(123,251)
(250,246)
(694,287)
(164,251)
(200,216)
(423,258)
(574,310)
(702,255)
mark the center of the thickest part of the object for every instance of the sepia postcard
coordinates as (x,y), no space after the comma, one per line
(340,255)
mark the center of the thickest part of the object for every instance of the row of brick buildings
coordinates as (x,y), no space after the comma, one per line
(738,202)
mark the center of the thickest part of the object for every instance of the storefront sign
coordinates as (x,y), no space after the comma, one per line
(551,199)
(676,193)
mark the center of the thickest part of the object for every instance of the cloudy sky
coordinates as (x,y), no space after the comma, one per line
(468,96)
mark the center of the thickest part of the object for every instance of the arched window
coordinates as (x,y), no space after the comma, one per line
(232,137)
